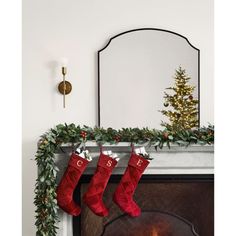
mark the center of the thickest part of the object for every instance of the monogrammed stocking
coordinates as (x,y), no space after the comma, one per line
(94,194)
(123,195)
(68,183)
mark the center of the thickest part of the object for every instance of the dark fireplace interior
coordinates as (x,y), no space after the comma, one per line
(172,205)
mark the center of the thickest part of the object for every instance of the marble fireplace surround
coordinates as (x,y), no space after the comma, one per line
(195,159)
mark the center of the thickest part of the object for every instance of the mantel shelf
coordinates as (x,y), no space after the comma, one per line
(194,159)
(125,147)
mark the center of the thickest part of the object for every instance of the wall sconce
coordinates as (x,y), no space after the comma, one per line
(65,86)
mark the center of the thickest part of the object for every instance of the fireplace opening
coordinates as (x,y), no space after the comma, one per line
(150,223)
(172,205)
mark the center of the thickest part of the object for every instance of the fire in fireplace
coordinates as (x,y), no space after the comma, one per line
(150,223)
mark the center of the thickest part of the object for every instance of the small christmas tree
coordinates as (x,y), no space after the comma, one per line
(183,112)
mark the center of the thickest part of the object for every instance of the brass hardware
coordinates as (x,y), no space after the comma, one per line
(64,70)
(68,87)
(64,87)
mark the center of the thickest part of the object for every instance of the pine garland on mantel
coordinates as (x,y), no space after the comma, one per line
(45,190)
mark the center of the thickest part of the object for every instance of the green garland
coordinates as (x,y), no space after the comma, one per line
(45,190)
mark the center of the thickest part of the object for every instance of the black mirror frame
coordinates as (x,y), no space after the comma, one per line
(139,29)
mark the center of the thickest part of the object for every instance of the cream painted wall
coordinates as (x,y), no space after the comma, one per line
(77,29)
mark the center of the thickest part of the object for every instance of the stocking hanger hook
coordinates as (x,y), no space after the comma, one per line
(100,147)
(132,147)
(81,146)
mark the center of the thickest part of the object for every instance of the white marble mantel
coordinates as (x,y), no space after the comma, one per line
(195,159)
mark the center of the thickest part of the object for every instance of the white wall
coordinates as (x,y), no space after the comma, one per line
(77,29)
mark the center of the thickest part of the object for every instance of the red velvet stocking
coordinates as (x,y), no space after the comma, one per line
(123,195)
(68,183)
(93,196)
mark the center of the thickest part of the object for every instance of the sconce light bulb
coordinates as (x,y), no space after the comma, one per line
(64,61)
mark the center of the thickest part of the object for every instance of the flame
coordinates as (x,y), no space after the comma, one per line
(160,229)
(154,232)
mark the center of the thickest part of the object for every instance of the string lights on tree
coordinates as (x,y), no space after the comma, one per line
(182,109)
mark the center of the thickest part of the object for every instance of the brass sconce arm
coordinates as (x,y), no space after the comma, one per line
(64,87)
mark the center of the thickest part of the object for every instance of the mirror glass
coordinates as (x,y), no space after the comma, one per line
(135,68)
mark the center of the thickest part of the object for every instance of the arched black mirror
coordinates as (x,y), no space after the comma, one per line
(134,69)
